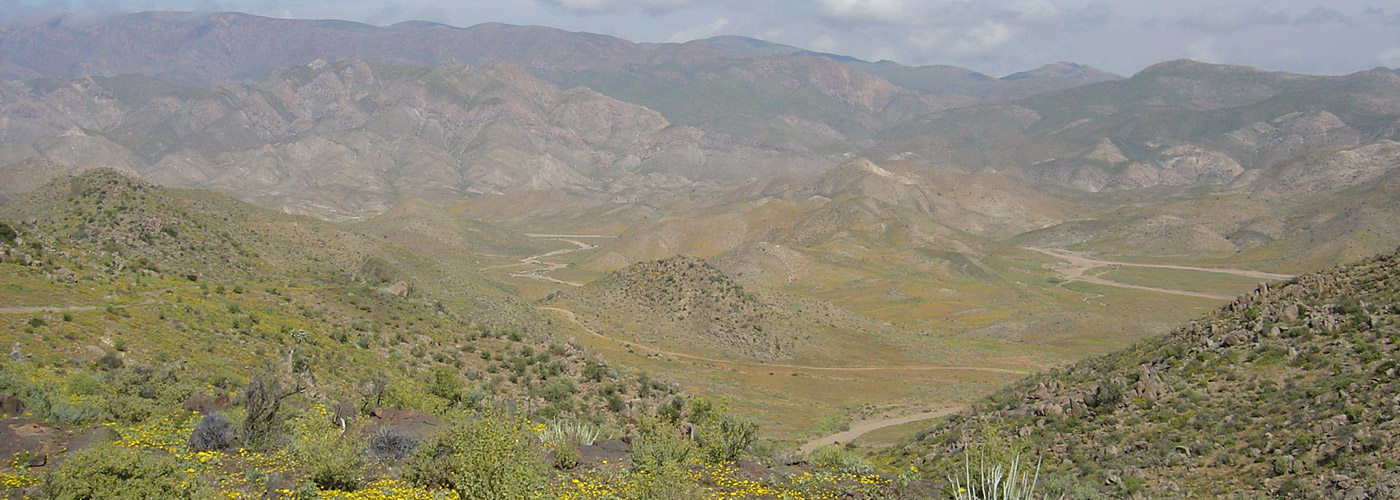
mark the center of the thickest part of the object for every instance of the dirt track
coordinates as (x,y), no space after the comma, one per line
(680,355)
(1077,268)
(541,272)
(861,427)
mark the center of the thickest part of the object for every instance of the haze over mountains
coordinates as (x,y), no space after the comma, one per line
(894,238)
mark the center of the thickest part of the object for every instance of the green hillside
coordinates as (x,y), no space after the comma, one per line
(1287,392)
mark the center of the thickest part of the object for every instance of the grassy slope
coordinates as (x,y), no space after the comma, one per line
(1287,391)
(269,292)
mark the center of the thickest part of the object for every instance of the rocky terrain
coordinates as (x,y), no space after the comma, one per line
(686,301)
(1287,391)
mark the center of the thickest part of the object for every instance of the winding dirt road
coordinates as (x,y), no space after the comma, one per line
(543,268)
(680,355)
(1077,267)
(862,427)
(856,429)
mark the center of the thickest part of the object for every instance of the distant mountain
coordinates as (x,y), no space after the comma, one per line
(1179,123)
(941,80)
(352,139)
(781,99)
(1287,392)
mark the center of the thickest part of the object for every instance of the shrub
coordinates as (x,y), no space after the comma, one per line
(840,460)
(387,443)
(658,446)
(722,435)
(7,233)
(564,455)
(212,433)
(576,432)
(564,437)
(670,482)
(447,384)
(331,459)
(110,361)
(493,457)
(263,427)
(994,481)
(116,473)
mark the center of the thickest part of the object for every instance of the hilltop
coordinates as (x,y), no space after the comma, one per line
(1286,391)
(686,301)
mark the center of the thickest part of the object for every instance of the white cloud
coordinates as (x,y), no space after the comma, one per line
(1389,57)
(609,6)
(882,11)
(1229,19)
(708,30)
(963,43)
(1034,12)
(1203,50)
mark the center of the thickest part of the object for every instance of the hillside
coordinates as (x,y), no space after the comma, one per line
(107,266)
(1287,391)
(685,301)
(262,367)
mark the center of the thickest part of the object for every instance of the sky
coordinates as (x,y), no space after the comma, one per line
(996,37)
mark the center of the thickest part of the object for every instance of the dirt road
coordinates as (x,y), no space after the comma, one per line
(861,427)
(680,355)
(543,268)
(1077,267)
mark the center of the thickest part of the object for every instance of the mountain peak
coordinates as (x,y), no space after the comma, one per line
(1064,70)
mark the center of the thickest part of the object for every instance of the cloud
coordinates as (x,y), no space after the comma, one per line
(880,11)
(963,43)
(612,6)
(1034,12)
(1390,57)
(708,30)
(1203,49)
(1322,15)
(1226,20)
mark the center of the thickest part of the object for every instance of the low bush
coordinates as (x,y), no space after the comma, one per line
(841,460)
(658,446)
(332,459)
(116,473)
(493,457)
(213,432)
(389,444)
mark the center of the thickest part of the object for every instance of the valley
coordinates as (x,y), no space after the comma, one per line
(706,262)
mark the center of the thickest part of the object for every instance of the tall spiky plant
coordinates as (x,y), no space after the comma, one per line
(995,482)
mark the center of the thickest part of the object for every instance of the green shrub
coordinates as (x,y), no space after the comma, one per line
(493,457)
(563,437)
(721,435)
(331,459)
(659,446)
(564,455)
(7,233)
(110,472)
(840,460)
(670,482)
